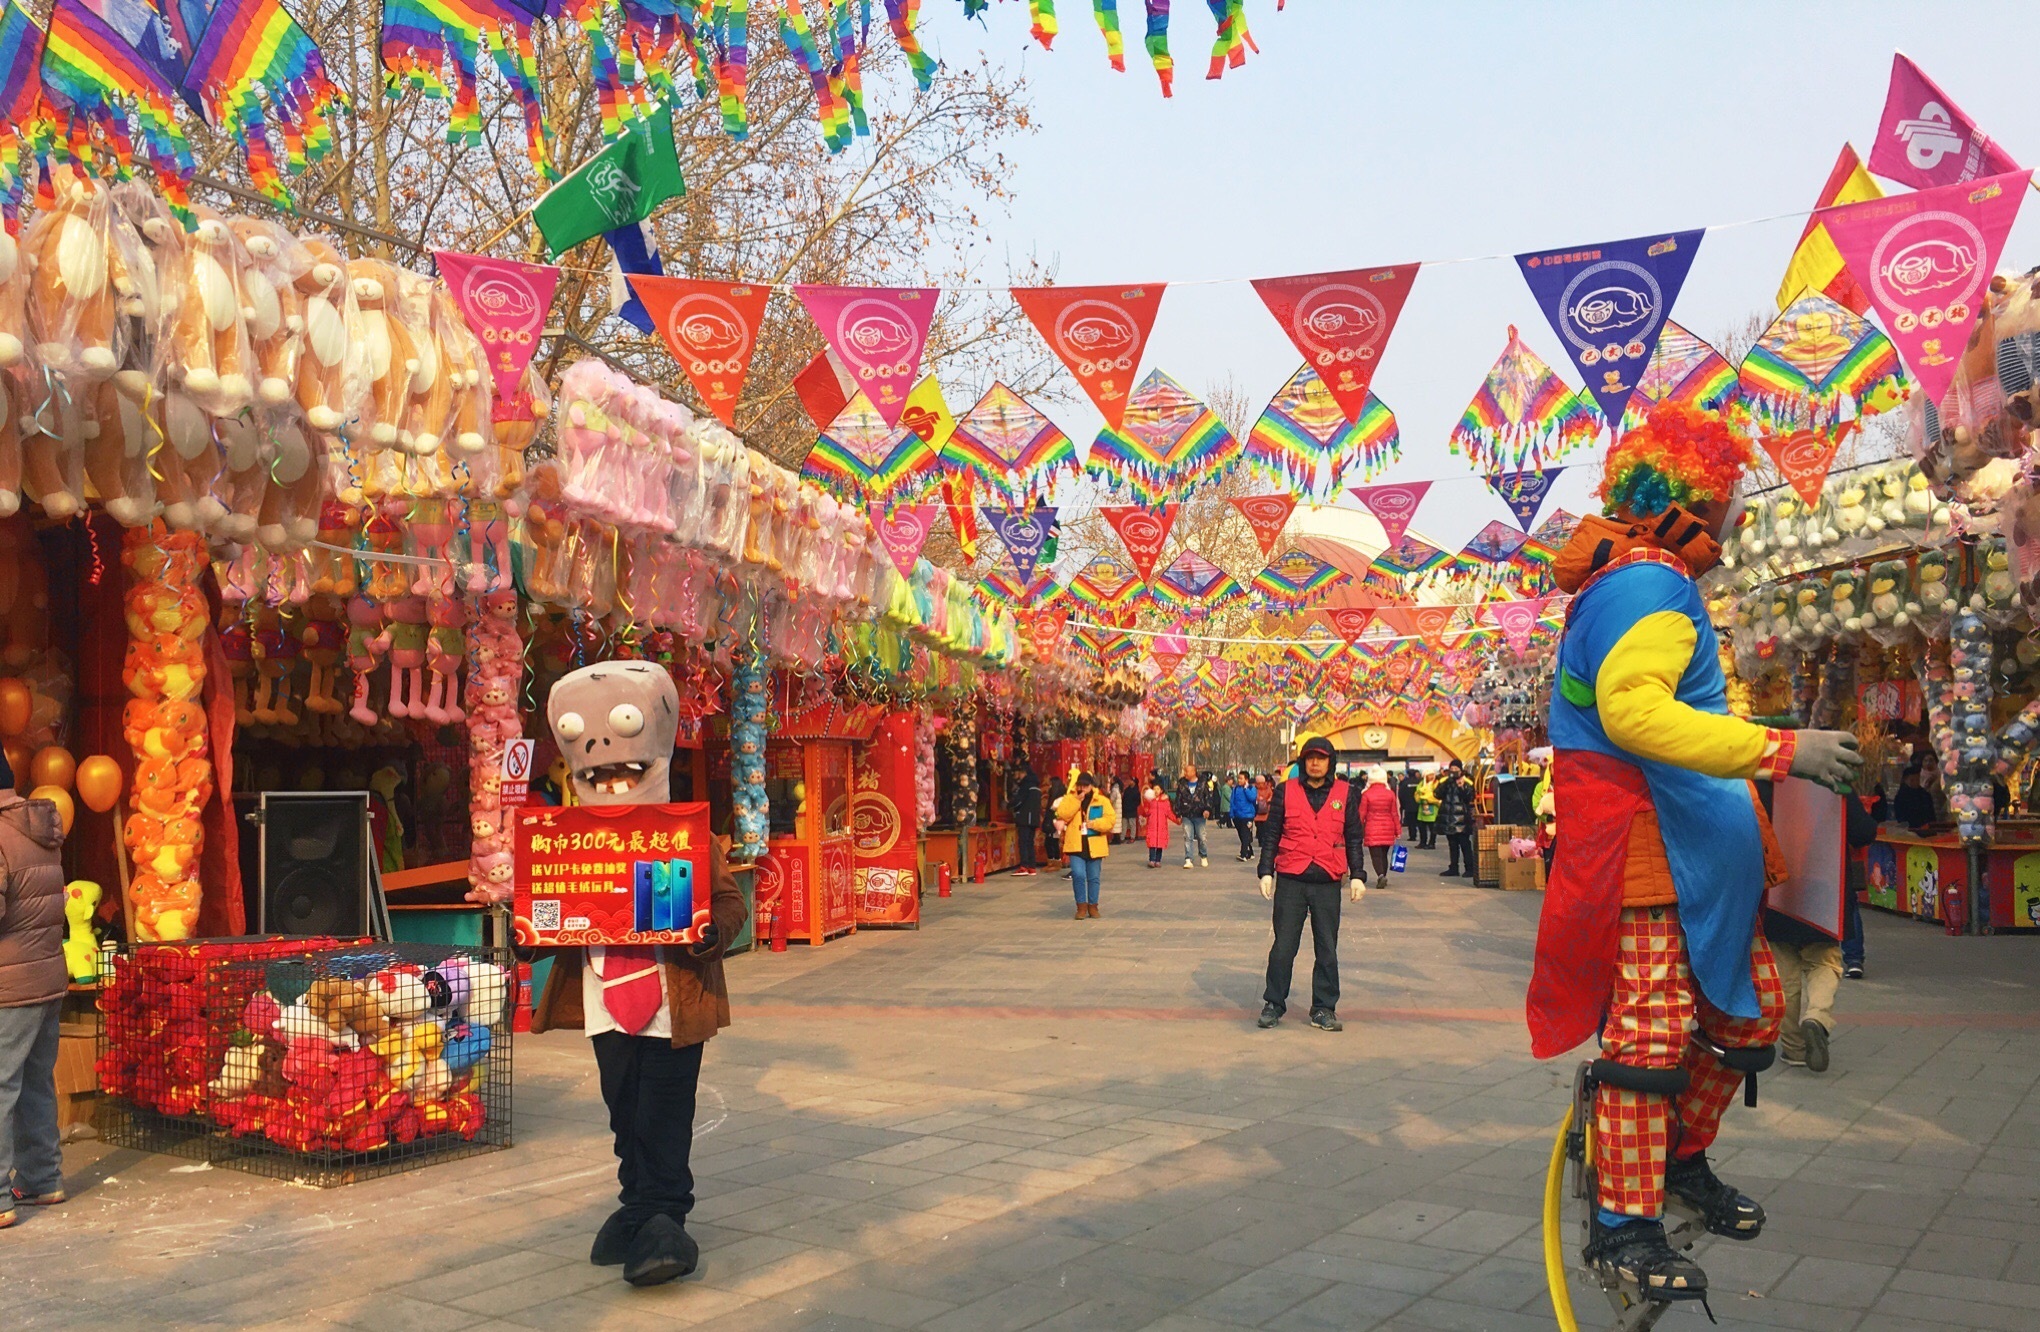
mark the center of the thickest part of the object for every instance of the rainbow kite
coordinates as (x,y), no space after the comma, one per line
(1409,558)
(1004,442)
(254,68)
(1296,578)
(1316,644)
(1105,584)
(1523,416)
(1195,585)
(104,91)
(1683,369)
(425,41)
(21,51)
(1304,443)
(1818,366)
(1170,444)
(1004,589)
(1494,543)
(860,458)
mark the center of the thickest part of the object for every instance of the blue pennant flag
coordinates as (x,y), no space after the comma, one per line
(1524,492)
(1609,303)
(632,253)
(1026,532)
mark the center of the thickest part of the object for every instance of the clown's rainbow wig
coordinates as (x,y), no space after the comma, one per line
(1679,455)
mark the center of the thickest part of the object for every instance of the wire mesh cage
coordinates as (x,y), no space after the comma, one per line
(318,1060)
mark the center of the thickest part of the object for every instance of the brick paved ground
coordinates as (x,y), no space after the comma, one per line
(1013,1120)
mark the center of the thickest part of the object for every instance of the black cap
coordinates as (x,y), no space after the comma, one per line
(1086,779)
(1317,744)
(1455,763)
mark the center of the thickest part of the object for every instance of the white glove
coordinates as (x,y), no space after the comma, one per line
(1268,886)
(1356,887)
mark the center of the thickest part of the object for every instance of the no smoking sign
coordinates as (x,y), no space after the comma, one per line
(517,755)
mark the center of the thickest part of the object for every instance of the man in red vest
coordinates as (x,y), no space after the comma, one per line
(1309,849)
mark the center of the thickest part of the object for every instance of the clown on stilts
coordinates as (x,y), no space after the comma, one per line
(1649,937)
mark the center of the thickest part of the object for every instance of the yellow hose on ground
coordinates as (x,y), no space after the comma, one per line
(1554,1230)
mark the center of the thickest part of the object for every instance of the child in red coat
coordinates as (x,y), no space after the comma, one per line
(1156,814)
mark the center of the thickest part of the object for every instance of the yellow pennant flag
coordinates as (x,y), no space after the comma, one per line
(1817,265)
(927,415)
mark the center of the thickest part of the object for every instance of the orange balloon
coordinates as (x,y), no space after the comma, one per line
(99,783)
(17,760)
(53,766)
(58,796)
(15,702)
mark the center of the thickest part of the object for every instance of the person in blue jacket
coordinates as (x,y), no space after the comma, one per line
(1241,805)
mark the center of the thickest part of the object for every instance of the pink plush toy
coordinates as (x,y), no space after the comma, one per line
(404,638)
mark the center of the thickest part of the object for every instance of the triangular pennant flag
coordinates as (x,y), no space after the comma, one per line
(903,532)
(505,302)
(1143,530)
(711,328)
(1267,515)
(1609,302)
(1804,456)
(1925,140)
(927,415)
(1349,622)
(1518,620)
(822,391)
(1340,322)
(1098,333)
(1524,492)
(1046,631)
(1926,259)
(1816,264)
(1394,507)
(633,252)
(878,333)
(1025,532)
(1429,623)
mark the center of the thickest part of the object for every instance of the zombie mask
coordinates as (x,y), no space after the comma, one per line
(615,724)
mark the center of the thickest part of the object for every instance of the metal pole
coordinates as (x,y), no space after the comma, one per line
(1979,896)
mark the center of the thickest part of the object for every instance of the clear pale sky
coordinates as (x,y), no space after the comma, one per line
(1367,134)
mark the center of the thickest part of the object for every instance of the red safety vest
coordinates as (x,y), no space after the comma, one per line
(1313,836)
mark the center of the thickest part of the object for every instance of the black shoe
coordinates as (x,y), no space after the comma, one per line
(663,1251)
(1270,1015)
(1324,1021)
(1725,1211)
(1853,973)
(1816,1038)
(1639,1254)
(612,1242)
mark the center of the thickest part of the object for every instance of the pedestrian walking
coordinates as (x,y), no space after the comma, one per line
(1406,797)
(1312,846)
(1264,791)
(1455,813)
(1156,815)
(1240,804)
(1087,821)
(1193,807)
(1132,800)
(32,984)
(1427,812)
(1810,965)
(1026,801)
(1380,824)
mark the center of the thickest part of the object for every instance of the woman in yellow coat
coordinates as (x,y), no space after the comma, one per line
(1087,820)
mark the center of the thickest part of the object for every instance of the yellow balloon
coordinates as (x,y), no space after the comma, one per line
(15,702)
(99,783)
(53,766)
(61,798)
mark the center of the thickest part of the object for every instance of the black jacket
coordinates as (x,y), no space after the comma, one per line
(1914,807)
(1191,800)
(1406,797)
(1272,832)
(1455,806)
(1027,799)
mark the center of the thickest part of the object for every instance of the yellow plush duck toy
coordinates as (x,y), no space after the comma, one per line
(81,945)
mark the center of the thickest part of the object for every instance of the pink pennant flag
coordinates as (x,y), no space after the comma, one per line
(1926,259)
(505,302)
(1395,507)
(878,333)
(903,532)
(1925,139)
(1518,620)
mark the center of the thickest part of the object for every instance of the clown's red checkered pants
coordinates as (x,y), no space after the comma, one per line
(1654,1006)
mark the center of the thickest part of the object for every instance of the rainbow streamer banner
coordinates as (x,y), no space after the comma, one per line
(1170,444)
(1105,584)
(1194,584)
(1304,443)
(1409,558)
(1006,443)
(1817,365)
(1523,415)
(1004,589)
(1295,578)
(103,90)
(433,47)
(21,53)
(254,69)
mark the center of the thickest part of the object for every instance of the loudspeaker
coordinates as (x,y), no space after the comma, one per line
(315,863)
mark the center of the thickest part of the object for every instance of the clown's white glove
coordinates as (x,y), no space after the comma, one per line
(1268,886)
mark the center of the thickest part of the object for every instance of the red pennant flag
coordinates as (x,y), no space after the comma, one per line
(1395,507)
(1143,530)
(1098,333)
(903,532)
(1046,629)
(1267,515)
(1926,258)
(1805,456)
(878,333)
(1349,622)
(1340,322)
(711,328)
(1925,139)
(820,390)
(1428,623)
(505,302)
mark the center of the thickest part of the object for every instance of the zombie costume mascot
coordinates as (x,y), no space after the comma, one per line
(648,1011)
(1649,927)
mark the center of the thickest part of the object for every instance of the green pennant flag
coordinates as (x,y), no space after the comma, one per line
(617,187)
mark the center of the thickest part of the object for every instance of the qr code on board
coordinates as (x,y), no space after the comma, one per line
(545,915)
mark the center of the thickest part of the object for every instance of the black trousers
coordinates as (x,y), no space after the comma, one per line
(1409,823)
(648,1085)
(1460,844)
(1245,828)
(1029,836)
(1427,834)
(1294,900)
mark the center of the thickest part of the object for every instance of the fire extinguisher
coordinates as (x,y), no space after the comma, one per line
(520,1017)
(1954,909)
(942,879)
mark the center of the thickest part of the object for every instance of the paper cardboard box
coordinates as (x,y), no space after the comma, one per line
(1522,875)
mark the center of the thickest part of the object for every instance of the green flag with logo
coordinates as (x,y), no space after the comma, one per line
(617,187)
